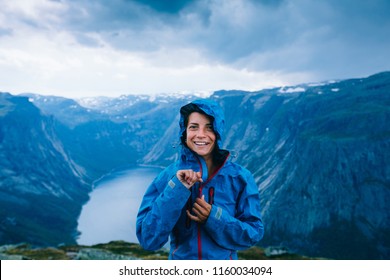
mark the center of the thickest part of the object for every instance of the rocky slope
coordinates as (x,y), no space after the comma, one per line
(320,158)
(41,187)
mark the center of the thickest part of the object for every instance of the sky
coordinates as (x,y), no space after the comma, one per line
(84,48)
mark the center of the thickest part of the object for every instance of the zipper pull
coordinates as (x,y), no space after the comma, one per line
(211,195)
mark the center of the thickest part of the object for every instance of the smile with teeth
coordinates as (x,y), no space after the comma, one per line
(200,143)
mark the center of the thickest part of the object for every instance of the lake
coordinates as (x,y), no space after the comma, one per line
(111,212)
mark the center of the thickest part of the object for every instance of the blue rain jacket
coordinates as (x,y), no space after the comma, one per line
(234,222)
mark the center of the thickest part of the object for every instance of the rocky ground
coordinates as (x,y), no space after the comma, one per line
(120,250)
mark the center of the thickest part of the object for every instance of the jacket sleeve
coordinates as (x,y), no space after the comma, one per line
(159,211)
(245,228)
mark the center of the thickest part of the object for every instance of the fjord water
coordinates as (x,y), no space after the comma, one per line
(110,214)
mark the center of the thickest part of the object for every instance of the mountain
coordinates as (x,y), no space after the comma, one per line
(317,151)
(320,157)
(68,111)
(41,188)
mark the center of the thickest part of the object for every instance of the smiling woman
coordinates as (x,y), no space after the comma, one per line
(207,205)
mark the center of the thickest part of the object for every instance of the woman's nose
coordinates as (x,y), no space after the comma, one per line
(201,133)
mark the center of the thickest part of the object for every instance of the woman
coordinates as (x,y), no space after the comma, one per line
(207,205)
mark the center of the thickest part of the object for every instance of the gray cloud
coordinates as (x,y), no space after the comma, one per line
(321,39)
(330,38)
(126,25)
(172,6)
(321,36)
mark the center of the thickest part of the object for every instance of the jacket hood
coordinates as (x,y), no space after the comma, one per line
(210,108)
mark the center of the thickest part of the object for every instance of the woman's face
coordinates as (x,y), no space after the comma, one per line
(200,135)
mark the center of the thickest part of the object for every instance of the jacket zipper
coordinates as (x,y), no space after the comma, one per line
(198,225)
(200,195)
(199,232)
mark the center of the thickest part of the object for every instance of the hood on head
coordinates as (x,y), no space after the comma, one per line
(210,108)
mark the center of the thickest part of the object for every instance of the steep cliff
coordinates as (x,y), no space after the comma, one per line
(320,159)
(41,188)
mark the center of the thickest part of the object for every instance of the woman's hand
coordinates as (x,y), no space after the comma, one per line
(201,210)
(189,177)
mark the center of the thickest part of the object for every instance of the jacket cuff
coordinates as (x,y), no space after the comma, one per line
(174,185)
(175,182)
(215,218)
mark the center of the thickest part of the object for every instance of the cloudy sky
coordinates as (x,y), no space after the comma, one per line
(77,48)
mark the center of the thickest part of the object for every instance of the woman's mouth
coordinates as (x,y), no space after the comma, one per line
(200,143)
